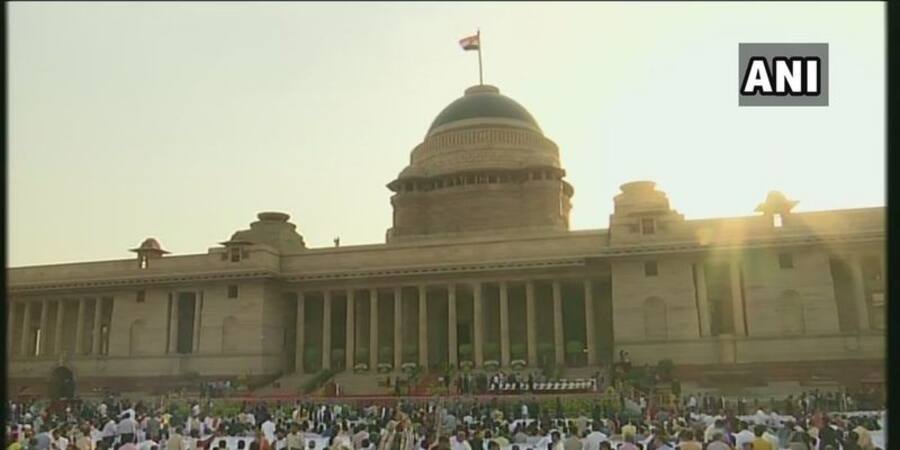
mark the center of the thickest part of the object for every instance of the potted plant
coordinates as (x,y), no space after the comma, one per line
(466,365)
(517,364)
(360,367)
(491,365)
(384,367)
(409,367)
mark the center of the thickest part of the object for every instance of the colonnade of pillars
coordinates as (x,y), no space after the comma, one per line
(26,340)
(860,303)
(478,322)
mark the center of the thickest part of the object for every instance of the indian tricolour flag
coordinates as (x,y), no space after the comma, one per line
(470,43)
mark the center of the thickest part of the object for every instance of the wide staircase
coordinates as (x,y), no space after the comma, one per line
(354,384)
(427,384)
(286,385)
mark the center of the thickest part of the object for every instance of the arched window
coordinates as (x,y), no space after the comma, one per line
(136,336)
(791,313)
(656,319)
(230,335)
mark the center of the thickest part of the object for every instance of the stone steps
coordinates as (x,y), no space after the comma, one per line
(289,384)
(364,383)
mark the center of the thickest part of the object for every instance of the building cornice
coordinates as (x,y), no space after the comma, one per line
(572,259)
(137,281)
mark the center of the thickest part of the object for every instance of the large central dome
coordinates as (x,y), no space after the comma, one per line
(484,167)
(484,102)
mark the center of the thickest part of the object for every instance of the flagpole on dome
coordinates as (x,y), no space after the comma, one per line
(474,43)
(480,76)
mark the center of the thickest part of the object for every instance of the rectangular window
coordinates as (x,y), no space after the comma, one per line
(235,254)
(786,261)
(777,220)
(140,296)
(184,342)
(233,291)
(650,269)
(647,226)
(169,325)
(104,339)
(107,305)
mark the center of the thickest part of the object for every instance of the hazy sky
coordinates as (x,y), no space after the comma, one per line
(181,121)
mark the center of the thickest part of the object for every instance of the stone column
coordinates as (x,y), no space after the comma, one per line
(326,330)
(737,298)
(504,324)
(173,325)
(79,329)
(350,350)
(198,322)
(453,349)
(703,300)
(26,331)
(859,292)
(299,355)
(531,328)
(558,343)
(479,327)
(423,326)
(10,324)
(373,329)
(42,345)
(58,333)
(398,329)
(98,309)
(589,334)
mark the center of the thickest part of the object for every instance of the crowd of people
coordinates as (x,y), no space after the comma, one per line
(219,388)
(802,404)
(520,424)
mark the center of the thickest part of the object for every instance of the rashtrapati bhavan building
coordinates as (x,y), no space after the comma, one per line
(480,267)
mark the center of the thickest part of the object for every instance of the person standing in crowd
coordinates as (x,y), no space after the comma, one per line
(719,442)
(295,438)
(759,442)
(743,435)
(128,442)
(176,440)
(44,438)
(126,429)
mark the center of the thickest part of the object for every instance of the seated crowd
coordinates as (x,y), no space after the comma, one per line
(406,425)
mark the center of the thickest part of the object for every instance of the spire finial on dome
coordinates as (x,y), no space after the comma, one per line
(776,203)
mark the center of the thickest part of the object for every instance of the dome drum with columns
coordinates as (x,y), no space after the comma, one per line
(483,166)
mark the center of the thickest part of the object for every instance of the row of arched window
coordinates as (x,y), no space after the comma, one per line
(475,178)
(482,136)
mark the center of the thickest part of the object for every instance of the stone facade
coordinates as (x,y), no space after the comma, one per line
(480,266)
